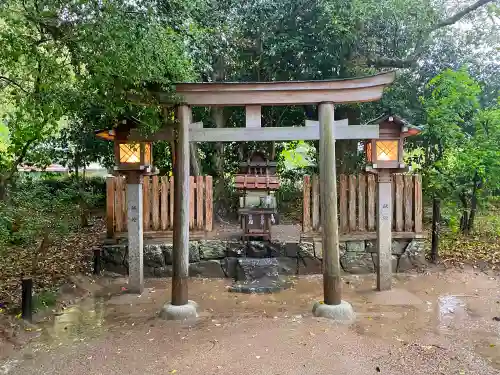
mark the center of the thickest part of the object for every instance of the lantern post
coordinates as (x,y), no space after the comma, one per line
(134,161)
(385,157)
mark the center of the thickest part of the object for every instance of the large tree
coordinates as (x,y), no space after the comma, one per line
(62,59)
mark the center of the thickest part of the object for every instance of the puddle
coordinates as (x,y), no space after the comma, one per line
(7,366)
(78,322)
(451,310)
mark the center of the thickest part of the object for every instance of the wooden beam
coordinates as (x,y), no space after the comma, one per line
(253,117)
(289,133)
(336,123)
(361,89)
(310,132)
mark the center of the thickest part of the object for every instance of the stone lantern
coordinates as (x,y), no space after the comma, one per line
(134,160)
(386,152)
(384,156)
(130,156)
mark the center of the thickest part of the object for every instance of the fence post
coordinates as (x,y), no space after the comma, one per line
(436,219)
(316,223)
(418,204)
(209,206)
(110,207)
(306,203)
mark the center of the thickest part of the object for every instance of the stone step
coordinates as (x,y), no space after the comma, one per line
(250,269)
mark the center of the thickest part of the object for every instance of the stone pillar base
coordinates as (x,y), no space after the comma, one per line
(342,313)
(182,312)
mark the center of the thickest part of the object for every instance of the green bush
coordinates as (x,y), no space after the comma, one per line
(47,206)
(289,199)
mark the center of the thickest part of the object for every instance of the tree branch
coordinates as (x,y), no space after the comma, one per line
(387,62)
(12,82)
(20,158)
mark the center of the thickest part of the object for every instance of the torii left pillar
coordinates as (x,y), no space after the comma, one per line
(180,307)
(332,306)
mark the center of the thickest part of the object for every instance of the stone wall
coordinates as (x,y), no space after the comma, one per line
(215,258)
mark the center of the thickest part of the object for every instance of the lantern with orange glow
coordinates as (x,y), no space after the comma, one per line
(129,155)
(386,152)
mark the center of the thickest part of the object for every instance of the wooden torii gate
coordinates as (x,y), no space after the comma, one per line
(253,96)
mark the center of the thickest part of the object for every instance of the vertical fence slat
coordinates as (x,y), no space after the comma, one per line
(191,202)
(361,202)
(306,205)
(418,203)
(164,203)
(146,203)
(209,206)
(393,195)
(315,202)
(199,202)
(343,203)
(155,203)
(398,206)
(371,202)
(408,192)
(119,204)
(124,204)
(352,203)
(171,197)
(110,206)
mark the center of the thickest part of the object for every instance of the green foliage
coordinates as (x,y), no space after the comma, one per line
(296,156)
(48,206)
(68,68)
(289,200)
(44,299)
(461,142)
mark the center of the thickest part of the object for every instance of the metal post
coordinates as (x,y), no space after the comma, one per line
(97,261)
(135,233)
(384,230)
(27,299)
(332,283)
(181,210)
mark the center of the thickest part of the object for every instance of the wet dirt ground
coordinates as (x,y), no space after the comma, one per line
(440,322)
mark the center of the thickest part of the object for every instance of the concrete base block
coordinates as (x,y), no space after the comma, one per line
(182,312)
(342,313)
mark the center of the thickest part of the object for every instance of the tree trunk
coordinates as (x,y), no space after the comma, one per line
(347,150)
(465,213)
(3,189)
(473,205)
(195,160)
(218,117)
(84,220)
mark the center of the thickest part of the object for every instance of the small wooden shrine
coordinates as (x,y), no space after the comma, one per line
(258,180)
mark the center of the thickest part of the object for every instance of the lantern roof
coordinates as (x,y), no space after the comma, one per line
(389,117)
(121,126)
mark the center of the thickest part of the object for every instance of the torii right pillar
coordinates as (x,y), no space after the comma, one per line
(332,306)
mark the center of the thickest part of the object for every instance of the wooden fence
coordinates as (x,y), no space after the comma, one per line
(357,197)
(158,204)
